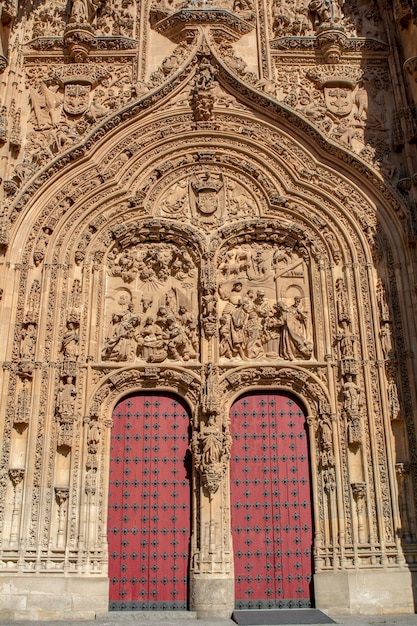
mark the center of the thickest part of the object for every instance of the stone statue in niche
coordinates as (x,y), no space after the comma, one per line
(33,302)
(28,342)
(70,342)
(326,11)
(263,293)
(212,442)
(352,395)
(41,246)
(156,318)
(66,396)
(83,11)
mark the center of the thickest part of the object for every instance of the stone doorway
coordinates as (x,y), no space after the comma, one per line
(272,519)
(149,523)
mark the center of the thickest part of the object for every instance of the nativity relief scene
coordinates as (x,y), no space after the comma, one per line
(151,312)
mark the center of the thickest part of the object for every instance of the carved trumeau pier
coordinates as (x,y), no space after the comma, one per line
(207,285)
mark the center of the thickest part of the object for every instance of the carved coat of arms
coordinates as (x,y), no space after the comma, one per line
(207,197)
(339,100)
(76,98)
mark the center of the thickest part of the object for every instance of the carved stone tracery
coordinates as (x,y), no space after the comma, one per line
(210,225)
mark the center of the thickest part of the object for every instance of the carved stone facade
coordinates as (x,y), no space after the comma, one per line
(208,199)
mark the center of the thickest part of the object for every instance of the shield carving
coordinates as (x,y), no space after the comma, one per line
(76,98)
(206,188)
(339,100)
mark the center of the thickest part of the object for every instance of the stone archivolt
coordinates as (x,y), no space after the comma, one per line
(209,249)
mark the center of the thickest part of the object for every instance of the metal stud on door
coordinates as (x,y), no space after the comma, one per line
(149,503)
(271,502)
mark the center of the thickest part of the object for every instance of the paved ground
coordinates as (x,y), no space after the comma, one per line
(130,619)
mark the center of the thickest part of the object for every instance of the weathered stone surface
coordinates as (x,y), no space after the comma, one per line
(208,200)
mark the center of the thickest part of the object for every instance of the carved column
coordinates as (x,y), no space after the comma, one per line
(408,527)
(61,496)
(359,495)
(16,476)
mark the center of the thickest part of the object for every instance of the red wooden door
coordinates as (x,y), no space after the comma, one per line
(271,502)
(149,521)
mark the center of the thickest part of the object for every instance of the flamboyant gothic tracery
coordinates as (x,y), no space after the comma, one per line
(207,282)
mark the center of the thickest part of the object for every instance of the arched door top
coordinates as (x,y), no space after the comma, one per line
(149,522)
(272,517)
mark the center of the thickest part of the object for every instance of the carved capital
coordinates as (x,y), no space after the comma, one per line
(16,475)
(61,495)
(359,491)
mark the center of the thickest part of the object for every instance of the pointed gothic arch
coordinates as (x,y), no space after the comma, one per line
(123,255)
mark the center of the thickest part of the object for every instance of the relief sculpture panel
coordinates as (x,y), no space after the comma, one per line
(265,307)
(151,305)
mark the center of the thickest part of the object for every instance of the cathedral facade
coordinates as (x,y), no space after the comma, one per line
(208,283)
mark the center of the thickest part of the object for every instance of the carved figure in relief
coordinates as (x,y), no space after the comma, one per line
(178,345)
(75,297)
(382,301)
(240,203)
(176,200)
(22,414)
(70,342)
(299,318)
(290,343)
(83,11)
(346,344)
(189,323)
(326,444)
(151,346)
(393,401)
(225,347)
(152,264)
(255,322)
(352,395)
(121,346)
(386,341)
(290,18)
(34,300)
(27,346)
(212,442)
(254,330)
(66,396)
(342,307)
(41,246)
(93,441)
(323,11)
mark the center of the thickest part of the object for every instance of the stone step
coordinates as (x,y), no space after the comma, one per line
(145,616)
